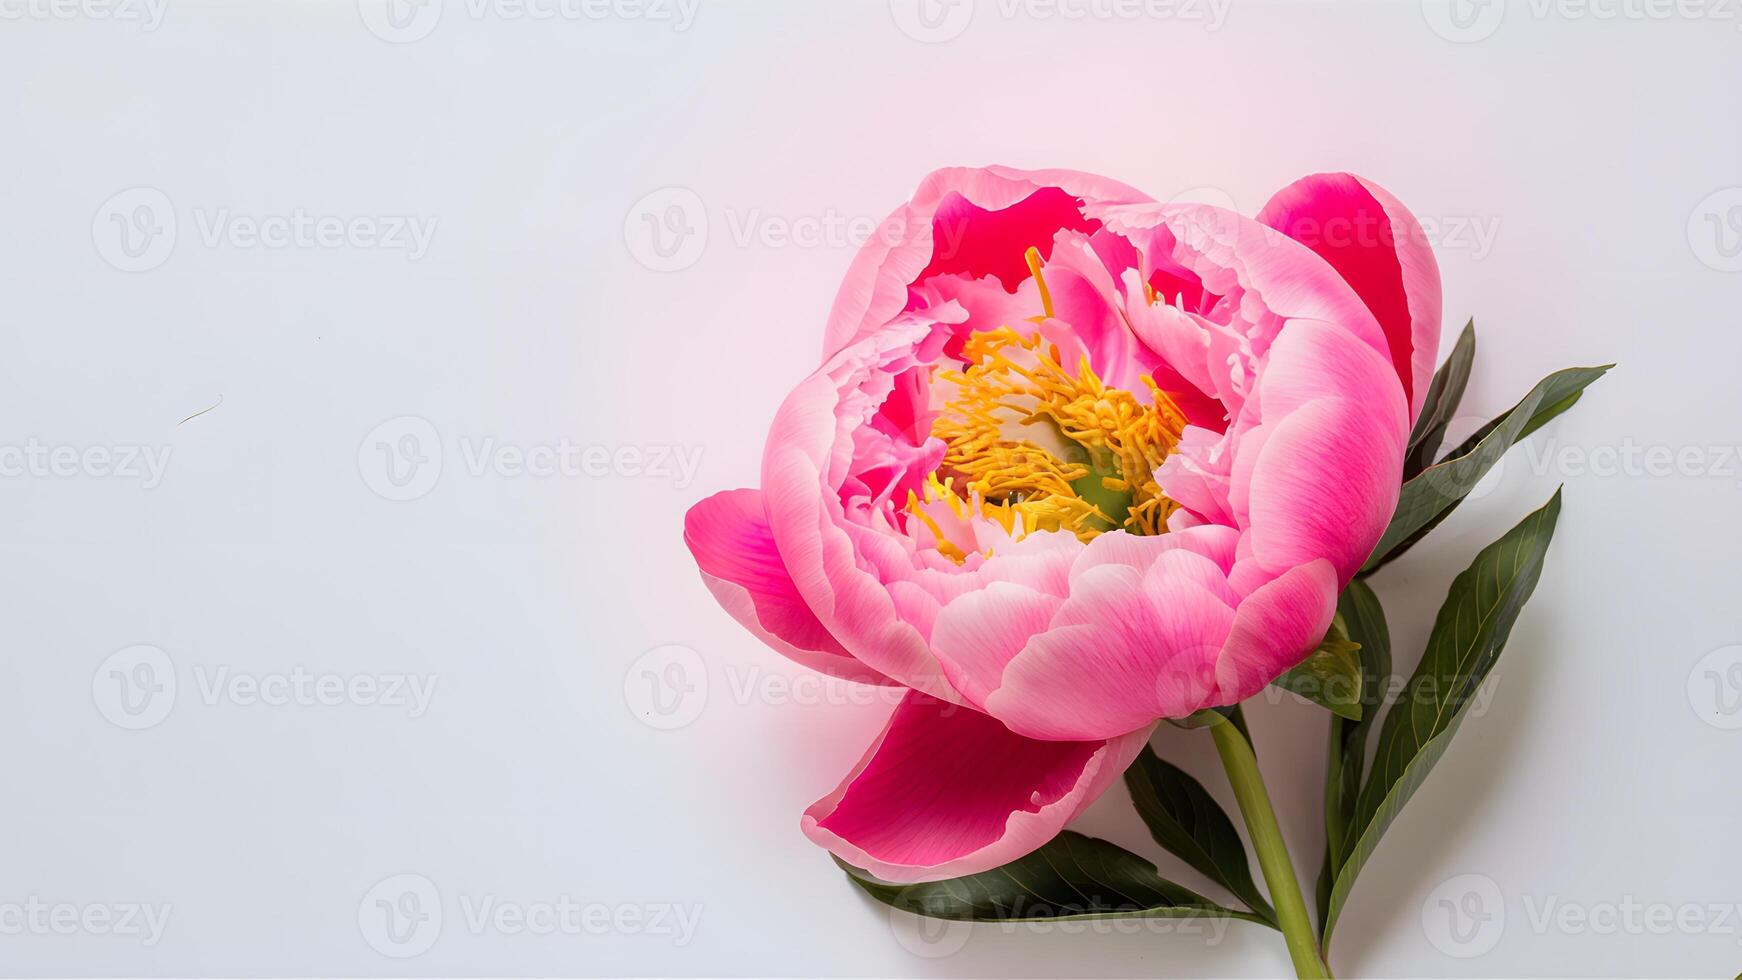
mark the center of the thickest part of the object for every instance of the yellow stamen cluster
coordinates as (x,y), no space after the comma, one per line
(1081,458)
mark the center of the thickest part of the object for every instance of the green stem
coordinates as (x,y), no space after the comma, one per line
(1291,911)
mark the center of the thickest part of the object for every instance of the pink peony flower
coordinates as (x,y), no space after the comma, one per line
(1075,461)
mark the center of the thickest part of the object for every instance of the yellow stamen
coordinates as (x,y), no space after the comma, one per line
(1084,461)
(1034,265)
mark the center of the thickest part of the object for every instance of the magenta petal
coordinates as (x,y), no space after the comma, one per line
(728,535)
(1377,245)
(946,791)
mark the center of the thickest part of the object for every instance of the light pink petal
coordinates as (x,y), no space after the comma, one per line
(806,459)
(729,537)
(1319,478)
(1276,627)
(1213,541)
(1264,280)
(1380,249)
(978,633)
(946,791)
(1127,648)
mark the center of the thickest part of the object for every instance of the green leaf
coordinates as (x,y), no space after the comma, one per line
(1214,716)
(1430,497)
(1330,676)
(1364,620)
(1071,877)
(1188,822)
(1468,635)
(1441,403)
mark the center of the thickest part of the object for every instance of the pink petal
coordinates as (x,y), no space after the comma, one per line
(1380,249)
(1319,478)
(1276,627)
(946,791)
(1126,648)
(977,634)
(956,224)
(729,537)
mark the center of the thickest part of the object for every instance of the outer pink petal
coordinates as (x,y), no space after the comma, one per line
(1380,249)
(1276,627)
(1128,647)
(1319,478)
(978,633)
(728,535)
(946,791)
(875,289)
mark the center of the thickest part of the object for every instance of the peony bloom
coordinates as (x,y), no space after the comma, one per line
(1075,461)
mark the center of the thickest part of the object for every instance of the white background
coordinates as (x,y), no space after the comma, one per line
(1567,156)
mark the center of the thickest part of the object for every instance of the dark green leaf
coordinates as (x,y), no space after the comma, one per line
(1188,822)
(1441,403)
(1364,620)
(1468,635)
(1071,877)
(1330,676)
(1430,497)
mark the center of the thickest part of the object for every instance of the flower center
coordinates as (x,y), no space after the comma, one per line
(1034,445)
